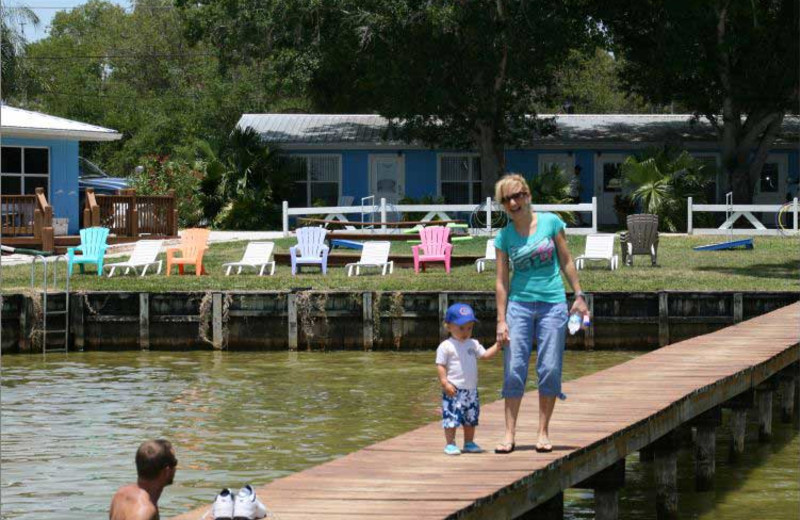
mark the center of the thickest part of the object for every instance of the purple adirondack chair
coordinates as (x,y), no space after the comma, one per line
(435,247)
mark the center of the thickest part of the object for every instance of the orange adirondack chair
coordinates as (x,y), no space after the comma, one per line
(194,243)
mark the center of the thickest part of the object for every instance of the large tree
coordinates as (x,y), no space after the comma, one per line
(448,72)
(732,61)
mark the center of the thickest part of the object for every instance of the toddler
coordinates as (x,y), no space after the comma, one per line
(457,363)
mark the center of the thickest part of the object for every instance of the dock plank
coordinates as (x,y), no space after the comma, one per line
(608,415)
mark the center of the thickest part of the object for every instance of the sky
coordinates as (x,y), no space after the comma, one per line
(46,10)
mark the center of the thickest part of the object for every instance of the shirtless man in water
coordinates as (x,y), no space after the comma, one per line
(155,467)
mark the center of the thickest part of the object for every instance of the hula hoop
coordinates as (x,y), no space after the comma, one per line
(785,210)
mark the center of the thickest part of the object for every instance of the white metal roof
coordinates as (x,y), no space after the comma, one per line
(336,130)
(16,122)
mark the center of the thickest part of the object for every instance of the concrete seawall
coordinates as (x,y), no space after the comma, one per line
(309,320)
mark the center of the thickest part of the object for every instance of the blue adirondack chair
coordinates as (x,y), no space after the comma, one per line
(93,248)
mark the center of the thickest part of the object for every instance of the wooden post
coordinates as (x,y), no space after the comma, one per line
(285,219)
(689,227)
(787,398)
(76,319)
(216,320)
(764,404)
(552,509)
(442,312)
(37,224)
(796,421)
(647,453)
(25,314)
(705,448)
(663,319)
(291,309)
(738,421)
(606,485)
(133,217)
(738,308)
(366,316)
(144,321)
(666,477)
(588,334)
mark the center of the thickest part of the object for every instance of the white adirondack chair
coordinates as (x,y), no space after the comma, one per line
(599,247)
(374,254)
(489,256)
(310,249)
(145,254)
(256,255)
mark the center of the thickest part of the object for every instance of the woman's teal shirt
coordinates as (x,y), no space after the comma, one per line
(536,276)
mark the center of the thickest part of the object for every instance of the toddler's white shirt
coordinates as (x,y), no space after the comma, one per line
(460,358)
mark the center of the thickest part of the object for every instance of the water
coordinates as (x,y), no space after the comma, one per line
(71,425)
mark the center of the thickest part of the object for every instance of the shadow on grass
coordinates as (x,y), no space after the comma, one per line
(789,268)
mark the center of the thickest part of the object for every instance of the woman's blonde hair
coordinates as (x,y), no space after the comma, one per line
(507,180)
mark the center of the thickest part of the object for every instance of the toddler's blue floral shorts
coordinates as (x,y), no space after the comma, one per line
(462,409)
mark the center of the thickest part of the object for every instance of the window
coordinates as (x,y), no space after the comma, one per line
(460,179)
(768,183)
(317,179)
(612,177)
(24,169)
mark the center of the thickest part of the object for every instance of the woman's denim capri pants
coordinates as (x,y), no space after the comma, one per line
(547,323)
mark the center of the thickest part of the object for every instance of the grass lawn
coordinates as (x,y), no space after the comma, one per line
(774,265)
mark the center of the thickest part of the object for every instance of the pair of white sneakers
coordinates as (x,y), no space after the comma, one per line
(243,506)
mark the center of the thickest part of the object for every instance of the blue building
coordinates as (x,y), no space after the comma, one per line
(41,151)
(347,155)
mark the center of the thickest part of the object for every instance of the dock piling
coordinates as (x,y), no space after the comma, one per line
(606,485)
(666,477)
(764,407)
(705,448)
(552,509)
(786,389)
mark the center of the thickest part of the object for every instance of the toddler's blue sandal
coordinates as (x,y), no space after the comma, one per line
(471,447)
(451,449)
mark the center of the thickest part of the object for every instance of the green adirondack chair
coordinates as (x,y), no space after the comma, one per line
(93,248)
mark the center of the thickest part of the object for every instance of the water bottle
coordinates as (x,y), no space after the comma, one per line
(574,323)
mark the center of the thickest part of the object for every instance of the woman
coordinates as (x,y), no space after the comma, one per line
(534,304)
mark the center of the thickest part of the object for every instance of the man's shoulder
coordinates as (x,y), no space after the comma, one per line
(131,502)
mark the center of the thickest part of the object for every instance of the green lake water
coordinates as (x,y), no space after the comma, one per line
(70,425)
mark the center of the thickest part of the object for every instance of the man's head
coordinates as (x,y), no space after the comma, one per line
(156,460)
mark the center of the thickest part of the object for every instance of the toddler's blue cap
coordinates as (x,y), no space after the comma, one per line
(459,314)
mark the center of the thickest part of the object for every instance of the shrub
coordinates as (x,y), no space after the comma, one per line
(159,175)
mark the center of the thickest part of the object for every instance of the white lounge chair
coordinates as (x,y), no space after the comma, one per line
(599,247)
(145,253)
(256,255)
(489,256)
(374,254)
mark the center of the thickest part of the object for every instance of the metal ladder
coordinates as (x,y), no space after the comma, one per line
(49,290)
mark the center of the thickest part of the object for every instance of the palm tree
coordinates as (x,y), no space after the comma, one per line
(12,45)
(551,186)
(661,180)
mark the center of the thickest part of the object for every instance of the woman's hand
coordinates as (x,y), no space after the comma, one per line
(502,334)
(580,306)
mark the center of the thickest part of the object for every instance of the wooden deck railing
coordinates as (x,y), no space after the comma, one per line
(129,215)
(28,215)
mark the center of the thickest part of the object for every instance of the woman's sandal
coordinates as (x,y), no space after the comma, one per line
(504,448)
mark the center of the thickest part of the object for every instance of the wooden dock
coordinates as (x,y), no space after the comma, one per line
(607,416)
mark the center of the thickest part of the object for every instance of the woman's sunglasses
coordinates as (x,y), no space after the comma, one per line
(514,196)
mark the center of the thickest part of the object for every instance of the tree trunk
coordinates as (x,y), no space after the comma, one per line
(493,162)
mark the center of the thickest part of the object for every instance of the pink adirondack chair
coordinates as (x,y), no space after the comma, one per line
(435,247)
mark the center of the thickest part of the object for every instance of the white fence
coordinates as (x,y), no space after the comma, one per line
(734,212)
(487,210)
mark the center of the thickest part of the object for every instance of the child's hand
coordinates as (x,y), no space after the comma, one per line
(449,389)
